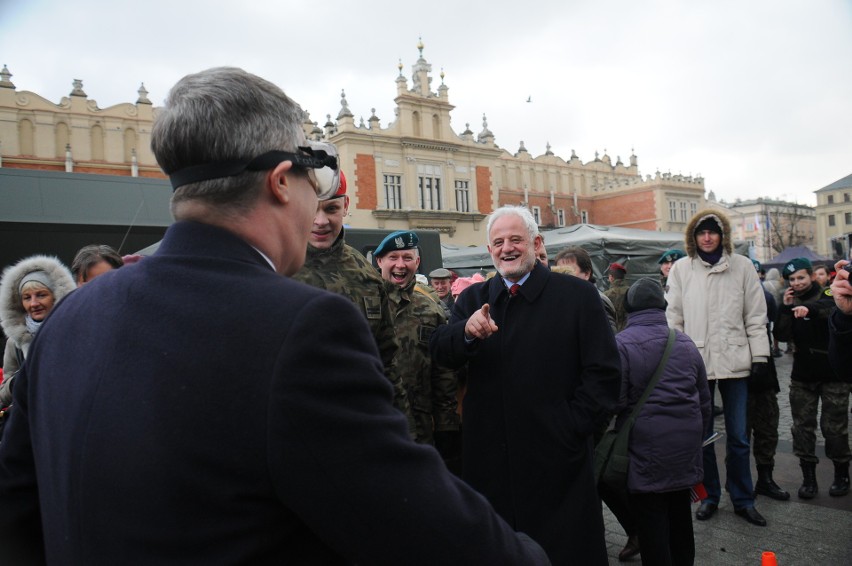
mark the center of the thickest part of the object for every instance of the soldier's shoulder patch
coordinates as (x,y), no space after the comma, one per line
(827,292)
(373,307)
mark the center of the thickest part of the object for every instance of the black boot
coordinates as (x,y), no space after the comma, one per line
(809,484)
(841,479)
(766,485)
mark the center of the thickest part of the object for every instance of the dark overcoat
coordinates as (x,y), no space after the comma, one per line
(537,390)
(198,408)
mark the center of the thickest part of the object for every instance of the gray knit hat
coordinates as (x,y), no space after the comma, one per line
(644,294)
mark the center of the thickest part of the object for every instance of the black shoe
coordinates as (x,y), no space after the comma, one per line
(630,549)
(706,510)
(765,485)
(840,486)
(751,515)
(809,487)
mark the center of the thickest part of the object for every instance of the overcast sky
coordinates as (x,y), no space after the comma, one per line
(755,96)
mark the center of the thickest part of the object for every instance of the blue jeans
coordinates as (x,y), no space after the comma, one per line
(738,481)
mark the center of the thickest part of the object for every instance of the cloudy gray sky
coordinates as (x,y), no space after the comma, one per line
(755,96)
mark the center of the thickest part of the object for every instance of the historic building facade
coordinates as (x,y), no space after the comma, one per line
(768,225)
(416,172)
(75,135)
(834,218)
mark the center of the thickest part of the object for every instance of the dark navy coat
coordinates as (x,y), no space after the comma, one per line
(198,408)
(536,392)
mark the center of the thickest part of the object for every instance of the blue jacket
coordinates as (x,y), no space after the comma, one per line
(665,445)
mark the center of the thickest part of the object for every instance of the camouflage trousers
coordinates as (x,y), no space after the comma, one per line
(833,422)
(762,425)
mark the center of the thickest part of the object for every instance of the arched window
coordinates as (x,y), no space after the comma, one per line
(26,135)
(436,126)
(63,138)
(415,119)
(97,134)
(129,144)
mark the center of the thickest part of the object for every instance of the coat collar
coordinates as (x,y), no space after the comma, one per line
(196,239)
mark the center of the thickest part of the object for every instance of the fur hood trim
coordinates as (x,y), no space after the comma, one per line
(12,315)
(700,216)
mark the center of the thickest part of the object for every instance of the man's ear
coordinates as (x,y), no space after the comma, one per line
(277,183)
(345,205)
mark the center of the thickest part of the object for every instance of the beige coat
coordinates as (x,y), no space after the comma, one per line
(721,307)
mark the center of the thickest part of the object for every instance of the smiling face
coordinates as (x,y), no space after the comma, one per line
(801,280)
(328,222)
(513,253)
(37,301)
(399,266)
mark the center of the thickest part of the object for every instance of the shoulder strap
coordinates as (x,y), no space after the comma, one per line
(654,379)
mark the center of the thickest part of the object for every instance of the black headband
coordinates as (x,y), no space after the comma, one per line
(311,158)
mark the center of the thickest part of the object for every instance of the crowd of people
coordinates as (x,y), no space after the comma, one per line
(199,407)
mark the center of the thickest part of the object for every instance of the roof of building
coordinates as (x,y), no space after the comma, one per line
(844,183)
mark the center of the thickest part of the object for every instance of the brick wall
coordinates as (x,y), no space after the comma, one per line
(631,210)
(365,182)
(483,189)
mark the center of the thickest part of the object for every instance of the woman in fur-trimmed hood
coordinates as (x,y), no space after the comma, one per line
(29,290)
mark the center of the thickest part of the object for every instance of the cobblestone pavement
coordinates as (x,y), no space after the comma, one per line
(814,532)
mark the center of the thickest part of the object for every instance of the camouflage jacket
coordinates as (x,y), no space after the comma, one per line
(616,294)
(343,270)
(431,388)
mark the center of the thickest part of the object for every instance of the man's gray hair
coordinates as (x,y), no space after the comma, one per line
(218,115)
(521,211)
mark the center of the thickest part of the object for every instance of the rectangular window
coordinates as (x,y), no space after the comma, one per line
(584,216)
(845,197)
(462,196)
(830,199)
(393,192)
(672,211)
(693,208)
(847,217)
(831,220)
(536,212)
(430,193)
(683,214)
(560,217)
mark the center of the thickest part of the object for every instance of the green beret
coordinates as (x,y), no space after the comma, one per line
(671,255)
(795,265)
(399,240)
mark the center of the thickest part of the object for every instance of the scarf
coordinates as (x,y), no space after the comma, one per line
(32,325)
(713,257)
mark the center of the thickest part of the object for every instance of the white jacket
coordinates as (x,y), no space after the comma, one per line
(722,308)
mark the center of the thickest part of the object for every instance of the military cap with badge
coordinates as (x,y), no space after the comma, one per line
(395,241)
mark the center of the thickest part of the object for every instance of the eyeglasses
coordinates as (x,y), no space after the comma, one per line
(319,158)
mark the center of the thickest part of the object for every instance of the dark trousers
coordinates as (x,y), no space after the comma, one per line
(664,522)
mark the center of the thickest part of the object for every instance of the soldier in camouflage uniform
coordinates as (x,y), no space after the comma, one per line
(431,388)
(332,265)
(803,319)
(615,293)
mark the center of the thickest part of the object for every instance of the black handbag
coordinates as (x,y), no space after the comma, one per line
(611,453)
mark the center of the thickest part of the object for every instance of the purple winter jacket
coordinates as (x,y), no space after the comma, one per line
(665,444)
